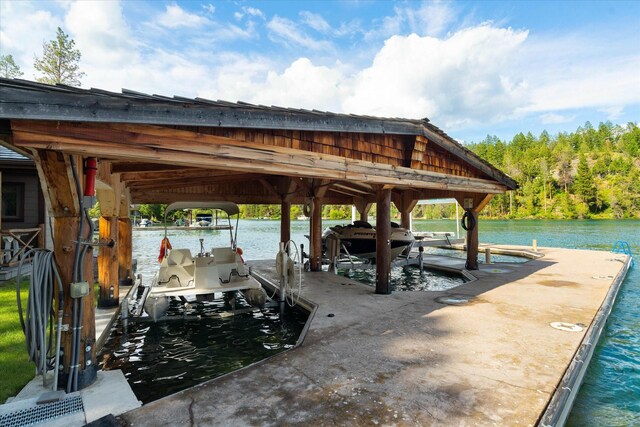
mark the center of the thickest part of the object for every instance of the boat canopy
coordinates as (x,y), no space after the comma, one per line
(229,207)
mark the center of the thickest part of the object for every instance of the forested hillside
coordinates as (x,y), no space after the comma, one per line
(589,173)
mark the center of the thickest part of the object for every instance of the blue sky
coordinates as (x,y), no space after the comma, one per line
(472,68)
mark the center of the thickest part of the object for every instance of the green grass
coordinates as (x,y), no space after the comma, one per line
(15,366)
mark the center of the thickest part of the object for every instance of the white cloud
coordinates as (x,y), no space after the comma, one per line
(285,31)
(253,12)
(249,11)
(613,113)
(209,8)
(101,34)
(455,81)
(315,21)
(430,18)
(588,85)
(553,118)
(23,29)
(174,17)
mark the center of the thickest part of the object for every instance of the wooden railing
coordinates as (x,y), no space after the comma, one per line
(17,241)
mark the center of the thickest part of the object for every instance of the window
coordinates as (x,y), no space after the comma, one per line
(13,201)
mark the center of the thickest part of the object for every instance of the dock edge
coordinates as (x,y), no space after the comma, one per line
(561,402)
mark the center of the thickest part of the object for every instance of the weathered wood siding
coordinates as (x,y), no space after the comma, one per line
(397,150)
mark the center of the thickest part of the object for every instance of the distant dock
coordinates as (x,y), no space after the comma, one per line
(184,228)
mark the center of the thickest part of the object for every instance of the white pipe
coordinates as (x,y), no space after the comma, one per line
(457,222)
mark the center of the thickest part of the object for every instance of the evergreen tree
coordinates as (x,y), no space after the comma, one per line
(584,185)
(8,68)
(59,62)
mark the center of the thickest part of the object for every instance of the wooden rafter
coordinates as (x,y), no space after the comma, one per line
(153,143)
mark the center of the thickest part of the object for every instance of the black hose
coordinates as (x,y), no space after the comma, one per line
(72,381)
(40,313)
(468,221)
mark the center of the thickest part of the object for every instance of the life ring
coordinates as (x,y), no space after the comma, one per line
(307,207)
(468,221)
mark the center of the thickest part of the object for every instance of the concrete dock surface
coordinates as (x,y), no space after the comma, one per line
(407,359)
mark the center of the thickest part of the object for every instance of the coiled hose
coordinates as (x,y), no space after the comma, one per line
(40,313)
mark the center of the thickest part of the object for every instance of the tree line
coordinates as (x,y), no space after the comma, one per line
(589,173)
(58,63)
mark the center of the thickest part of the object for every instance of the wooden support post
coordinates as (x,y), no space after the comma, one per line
(108,262)
(54,171)
(383,236)
(124,248)
(405,202)
(472,243)
(473,203)
(42,239)
(285,221)
(363,208)
(316,235)
(66,231)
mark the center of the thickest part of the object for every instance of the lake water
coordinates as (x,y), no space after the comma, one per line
(610,394)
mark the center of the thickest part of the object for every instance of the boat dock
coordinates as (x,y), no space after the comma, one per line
(482,353)
(184,228)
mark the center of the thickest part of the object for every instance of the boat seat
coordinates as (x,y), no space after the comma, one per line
(179,257)
(206,273)
(177,269)
(229,263)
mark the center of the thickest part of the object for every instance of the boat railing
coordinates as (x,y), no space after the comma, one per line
(622,247)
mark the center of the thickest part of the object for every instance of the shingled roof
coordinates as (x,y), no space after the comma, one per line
(21,99)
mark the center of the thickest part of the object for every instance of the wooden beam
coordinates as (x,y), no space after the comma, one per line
(125,202)
(133,167)
(316,235)
(472,243)
(56,181)
(285,221)
(202,173)
(66,231)
(290,189)
(383,244)
(484,201)
(124,248)
(108,263)
(193,182)
(191,148)
(108,190)
(270,188)
(350,189)
(363,206)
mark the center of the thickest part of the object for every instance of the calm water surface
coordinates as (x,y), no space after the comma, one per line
(610,395)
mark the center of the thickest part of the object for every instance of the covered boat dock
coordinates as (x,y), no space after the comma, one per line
(157,149)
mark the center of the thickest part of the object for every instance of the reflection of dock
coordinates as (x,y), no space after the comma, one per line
(184,228)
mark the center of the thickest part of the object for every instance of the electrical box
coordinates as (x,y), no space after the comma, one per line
(79,289)
(468,204)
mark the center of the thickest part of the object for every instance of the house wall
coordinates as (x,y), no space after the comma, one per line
(32,207)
